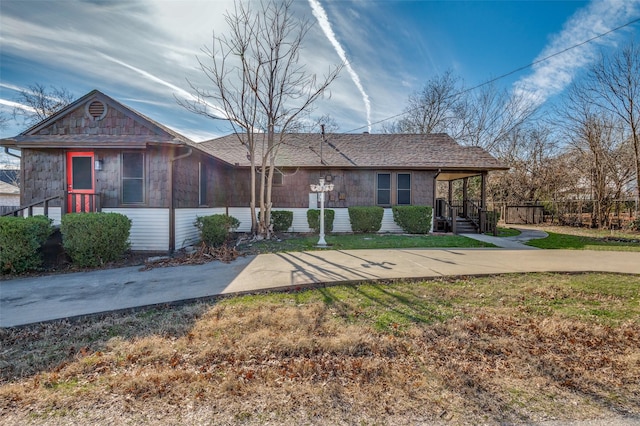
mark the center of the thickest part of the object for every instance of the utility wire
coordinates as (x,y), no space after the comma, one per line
(493,80)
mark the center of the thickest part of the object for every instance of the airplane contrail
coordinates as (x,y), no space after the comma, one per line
(173,87)
(323,20)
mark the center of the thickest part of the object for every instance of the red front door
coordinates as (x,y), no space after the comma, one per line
(80,182)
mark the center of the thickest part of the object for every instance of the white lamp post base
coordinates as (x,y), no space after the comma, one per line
(322,188)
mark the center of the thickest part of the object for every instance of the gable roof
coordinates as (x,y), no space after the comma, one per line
(73,127)
(398,151)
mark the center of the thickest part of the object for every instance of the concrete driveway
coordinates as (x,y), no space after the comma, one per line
(31,300)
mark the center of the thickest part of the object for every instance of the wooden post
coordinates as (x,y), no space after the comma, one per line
(465,197)
(450,195)
(483,190)
(454,215)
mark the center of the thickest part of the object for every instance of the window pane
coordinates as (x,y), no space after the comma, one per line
(404,181)
(132,165)
(404,196)
(384,196)
(81,170)
(404,188)
(132,177)
(384,181)
(384,188)
(132,191)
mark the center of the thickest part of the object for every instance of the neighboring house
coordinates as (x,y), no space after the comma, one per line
(98,154)
(9,197)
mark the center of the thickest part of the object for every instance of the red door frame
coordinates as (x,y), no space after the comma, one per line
(79,203)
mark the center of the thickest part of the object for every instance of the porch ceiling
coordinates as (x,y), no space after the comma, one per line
(453,175)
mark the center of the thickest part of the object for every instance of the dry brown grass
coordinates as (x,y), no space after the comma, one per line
(492,350)
(585,232)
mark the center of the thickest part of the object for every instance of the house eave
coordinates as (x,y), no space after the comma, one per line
(84,142)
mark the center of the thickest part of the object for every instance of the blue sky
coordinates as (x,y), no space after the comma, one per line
(142,51)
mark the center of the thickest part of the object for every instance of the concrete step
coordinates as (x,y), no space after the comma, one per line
(465,226)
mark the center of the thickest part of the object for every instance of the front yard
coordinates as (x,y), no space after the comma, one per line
(505,349)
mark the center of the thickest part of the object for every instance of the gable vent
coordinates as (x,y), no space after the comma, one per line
(96,110)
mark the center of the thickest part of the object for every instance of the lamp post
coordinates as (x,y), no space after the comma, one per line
(321,189)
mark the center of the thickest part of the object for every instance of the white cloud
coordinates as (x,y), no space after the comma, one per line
(323,20)
(553,75)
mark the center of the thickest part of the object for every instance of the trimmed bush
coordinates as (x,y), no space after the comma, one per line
(313,219)
(413,219)
(215,229)
(20,241)
(281,220)
(365,219)
(93,239)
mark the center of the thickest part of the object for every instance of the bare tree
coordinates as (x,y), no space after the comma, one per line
(4,119)
(481,117)
(260,87)
(596,137)
(433,109)
(488,116)
(534,175)
(39,102)
(614,83)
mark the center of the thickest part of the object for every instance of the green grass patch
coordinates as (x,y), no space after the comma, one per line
(363,241)
(507,232)
(601,298)
(577,242)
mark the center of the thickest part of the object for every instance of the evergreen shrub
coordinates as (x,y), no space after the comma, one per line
(215,229)
(413,219)
(313,219)
(93,239)
(366,219)
(20,241)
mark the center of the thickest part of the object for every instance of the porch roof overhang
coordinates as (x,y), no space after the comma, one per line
(449,175)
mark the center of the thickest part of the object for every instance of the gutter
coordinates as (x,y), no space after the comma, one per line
(172,209)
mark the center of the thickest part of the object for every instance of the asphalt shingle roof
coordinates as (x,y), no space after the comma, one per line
(430,151)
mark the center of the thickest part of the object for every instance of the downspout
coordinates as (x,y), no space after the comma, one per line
(6,151)
(172,209)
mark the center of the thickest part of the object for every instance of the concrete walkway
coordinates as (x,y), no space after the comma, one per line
(514,243)
(31,300)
